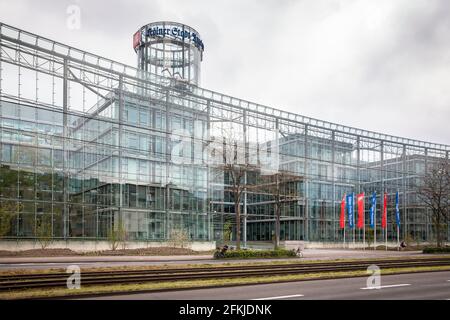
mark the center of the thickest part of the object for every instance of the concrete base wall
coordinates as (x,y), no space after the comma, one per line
(322,245)
(340,245)
(88,245)
(356,245)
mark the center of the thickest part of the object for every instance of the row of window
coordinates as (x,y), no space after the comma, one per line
(87,222)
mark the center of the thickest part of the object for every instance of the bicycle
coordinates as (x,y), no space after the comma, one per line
(299,252)
(220,253)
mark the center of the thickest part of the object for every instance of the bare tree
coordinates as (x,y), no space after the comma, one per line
(44,232)
(276,186)
(231,163)
(434,192)
(117,235)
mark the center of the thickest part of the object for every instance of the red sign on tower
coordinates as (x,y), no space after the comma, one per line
(136,39)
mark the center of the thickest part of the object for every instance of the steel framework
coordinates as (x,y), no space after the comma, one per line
(83,87)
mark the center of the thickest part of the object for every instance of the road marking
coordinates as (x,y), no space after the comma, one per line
(388,286)
(280,297)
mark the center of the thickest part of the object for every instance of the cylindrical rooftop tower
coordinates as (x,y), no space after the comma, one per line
(169,49)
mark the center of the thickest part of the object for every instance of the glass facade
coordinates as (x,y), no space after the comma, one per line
(87,143)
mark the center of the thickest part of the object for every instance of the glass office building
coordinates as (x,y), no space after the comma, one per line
(87,143)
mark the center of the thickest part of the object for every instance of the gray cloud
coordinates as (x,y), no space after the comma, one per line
(382,66)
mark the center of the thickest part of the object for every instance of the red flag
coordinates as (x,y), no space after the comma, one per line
(342,219)
(384,217)
(360,202)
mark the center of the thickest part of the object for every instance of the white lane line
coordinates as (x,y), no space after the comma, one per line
(280,297)
(388,286)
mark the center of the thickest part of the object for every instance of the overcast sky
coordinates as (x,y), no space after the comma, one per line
(379,65)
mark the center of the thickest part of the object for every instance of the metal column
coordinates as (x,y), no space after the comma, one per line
(358,182)
(427,222)
(246,153)
(404,176)
(168,159)
(335,221)
(382,186)
(121,121)
(305,164)
(65,157)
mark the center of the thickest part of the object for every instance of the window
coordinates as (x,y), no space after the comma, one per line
(143,143)
(131,115)
(58,158)
(27,113)
(143,117)
(45,157)
(176,123)
(26,155)
(143,171)
(6,153)
(159,147)
(27,125)
(9,109)
(160,120)
(132,169)
(133,141)
(45,115)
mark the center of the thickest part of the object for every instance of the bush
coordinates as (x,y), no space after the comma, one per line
(436,250)
(252,254)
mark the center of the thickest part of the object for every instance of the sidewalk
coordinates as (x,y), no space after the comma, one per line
(309,254)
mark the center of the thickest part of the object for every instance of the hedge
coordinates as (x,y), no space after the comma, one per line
(436,250)
(250,254)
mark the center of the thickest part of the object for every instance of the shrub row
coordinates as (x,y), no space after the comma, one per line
(436,250)
(249,254)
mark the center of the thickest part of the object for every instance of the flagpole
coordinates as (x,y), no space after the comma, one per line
(354,235)
(353,217)
(344,236)
(386,226)
(397,218)
(375,226)
(345,213)
(386,234)
(364,221)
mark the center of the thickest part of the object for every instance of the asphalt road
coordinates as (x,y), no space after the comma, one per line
(429,286)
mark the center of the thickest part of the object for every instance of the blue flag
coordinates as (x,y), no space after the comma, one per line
(373,207)
(351,219)
(397,210)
